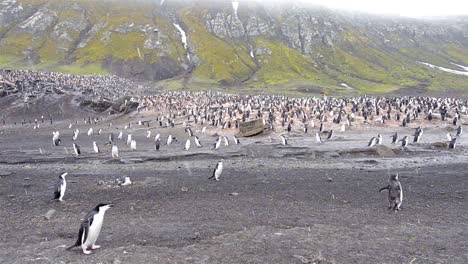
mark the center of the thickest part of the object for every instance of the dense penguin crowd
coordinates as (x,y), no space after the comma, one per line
(196,114)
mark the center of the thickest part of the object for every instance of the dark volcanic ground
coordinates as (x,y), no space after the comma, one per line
(302,203)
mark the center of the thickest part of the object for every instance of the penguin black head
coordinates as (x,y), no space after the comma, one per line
(104,206)
(394,177)
(63,175)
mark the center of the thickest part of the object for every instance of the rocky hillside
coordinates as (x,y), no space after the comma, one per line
(237,44)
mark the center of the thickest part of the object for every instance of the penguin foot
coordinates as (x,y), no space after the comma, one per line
(95,246)
(87,252)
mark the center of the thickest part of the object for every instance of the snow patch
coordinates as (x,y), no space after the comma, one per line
(460,66)
(347,86)
(31,21)
(139,52)
(235,6)
(444,69)
(183,37)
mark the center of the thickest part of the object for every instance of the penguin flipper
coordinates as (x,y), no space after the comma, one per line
(57,190)
(84,229)
(214,172)
(384,188)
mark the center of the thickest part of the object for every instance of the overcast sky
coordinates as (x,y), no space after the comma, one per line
(410,8)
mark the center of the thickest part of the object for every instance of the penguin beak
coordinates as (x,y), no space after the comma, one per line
(110,205)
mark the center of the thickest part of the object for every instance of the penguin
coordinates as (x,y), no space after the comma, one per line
(395,192)
(95,147)
(379,139)
(459,131)
(169,140)
(187,145)
(76,149)
(60,187)
(226,142)
(318,139)
(111,138)
(148,134)
(75,134)
(417,135)
(452,143)
(99,131)
(404,141)
(90,131)
(284,140)
(197,142)
(115,152)
(129,139)
(218,143)
(157,144)
(133,145)
(157,137)
(126,181)
(55,138)
(90,228)
(343,128)
(394,138)
(236,140)
(330,134)
(203,130)
(217,171)
(372,142)
(321,128)
(120,136)
(189,131)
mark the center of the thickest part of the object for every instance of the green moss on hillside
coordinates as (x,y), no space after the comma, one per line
(82,69)
(226,63)
(280,64)
(457,53)
(358,59)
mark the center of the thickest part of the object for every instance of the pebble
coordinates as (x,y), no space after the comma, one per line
(50,214)
(302,258)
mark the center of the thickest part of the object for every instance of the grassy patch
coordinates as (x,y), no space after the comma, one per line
(223,62)
(82,69)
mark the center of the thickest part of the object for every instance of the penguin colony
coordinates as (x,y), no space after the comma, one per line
(206,111)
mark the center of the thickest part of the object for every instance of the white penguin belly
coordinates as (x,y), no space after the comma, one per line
(63,187)
(94,231)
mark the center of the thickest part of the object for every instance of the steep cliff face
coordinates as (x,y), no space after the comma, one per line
(234,43)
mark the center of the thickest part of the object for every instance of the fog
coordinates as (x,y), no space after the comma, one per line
(408,8)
